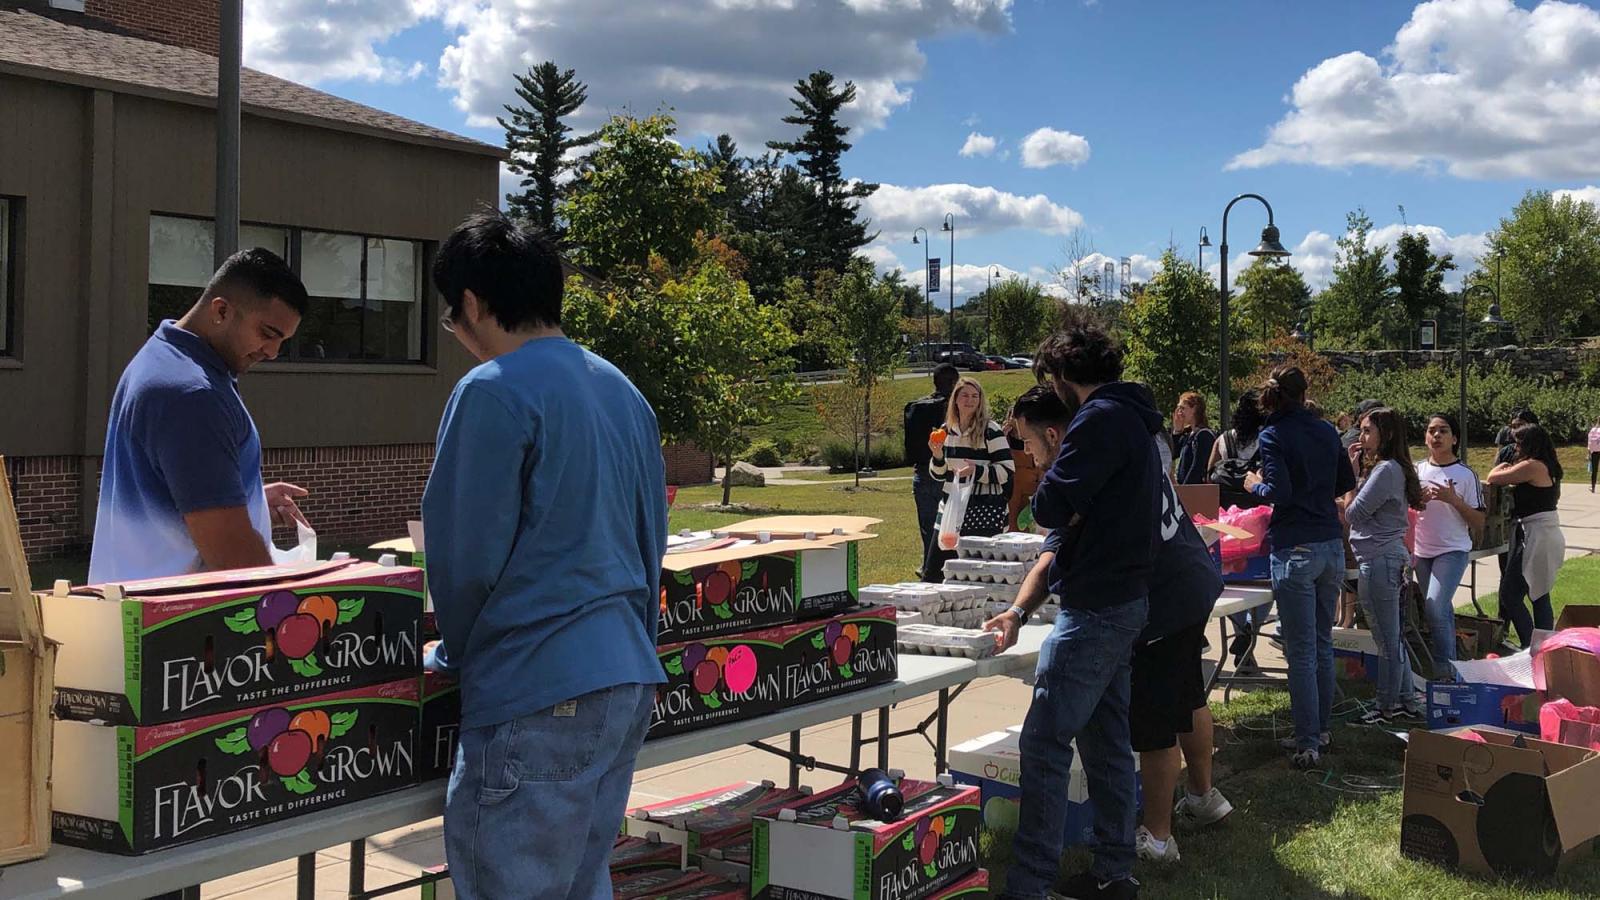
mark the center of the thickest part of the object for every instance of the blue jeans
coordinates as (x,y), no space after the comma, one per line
(1440,576)
(1081,693)
(1379,591)
(534,804)
(928,491)
(1305,586)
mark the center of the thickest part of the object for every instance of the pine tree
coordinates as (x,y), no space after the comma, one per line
(537,139)
(834,233)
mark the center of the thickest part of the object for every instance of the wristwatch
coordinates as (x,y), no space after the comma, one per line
(1022,615)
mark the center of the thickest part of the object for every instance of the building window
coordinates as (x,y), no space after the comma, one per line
(366,292)
(8,250)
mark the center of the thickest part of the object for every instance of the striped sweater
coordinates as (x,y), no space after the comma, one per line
(995,466)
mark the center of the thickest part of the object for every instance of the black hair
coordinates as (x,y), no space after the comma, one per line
(1041,407)
(1455,428)
(1284,391)
(1533,442)
(1525,415)
(514,272)
(1247,417)
(945,377)
(257,274)
(1082,352)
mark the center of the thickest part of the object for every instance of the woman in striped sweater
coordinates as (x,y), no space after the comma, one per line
(972,446)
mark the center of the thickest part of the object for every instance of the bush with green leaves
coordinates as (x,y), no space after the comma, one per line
(763,453)
(840,457)
(1565,410)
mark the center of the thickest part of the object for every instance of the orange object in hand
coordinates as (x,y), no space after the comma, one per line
(938,436)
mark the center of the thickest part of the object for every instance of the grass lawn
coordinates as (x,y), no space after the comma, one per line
(1577,582)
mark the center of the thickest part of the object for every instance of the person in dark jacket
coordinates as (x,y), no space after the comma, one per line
(921,418)
(1303,468)
(1352,435)
(1192,437)
(1106,482)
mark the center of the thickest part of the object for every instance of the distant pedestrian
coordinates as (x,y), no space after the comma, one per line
(922,417)
(1193,438)
(1537,545)
(1594,453)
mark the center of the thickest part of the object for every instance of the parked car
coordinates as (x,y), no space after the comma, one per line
(1022,362)
(1003,362)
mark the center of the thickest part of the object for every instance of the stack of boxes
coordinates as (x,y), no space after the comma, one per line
(195,706)
(993,764)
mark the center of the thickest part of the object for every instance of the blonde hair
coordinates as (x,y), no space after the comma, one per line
(974,437)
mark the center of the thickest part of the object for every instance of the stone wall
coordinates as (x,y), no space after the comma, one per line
(1557,363)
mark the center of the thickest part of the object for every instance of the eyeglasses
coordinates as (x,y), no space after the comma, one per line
(447,321)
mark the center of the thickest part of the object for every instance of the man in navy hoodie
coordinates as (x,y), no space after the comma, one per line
(1105,483)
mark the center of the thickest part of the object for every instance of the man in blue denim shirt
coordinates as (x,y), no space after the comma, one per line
(546,520)
(1105,484)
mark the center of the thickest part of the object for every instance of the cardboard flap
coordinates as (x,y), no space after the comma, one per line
(802,524)
(19,608)
(680,562)
(1572,797)
(1579,616)
(205,582)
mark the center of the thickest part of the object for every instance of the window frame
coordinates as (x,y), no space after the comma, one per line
(427,301)
(11,209)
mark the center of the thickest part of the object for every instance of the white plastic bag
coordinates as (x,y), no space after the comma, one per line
(304,551)
(955,510)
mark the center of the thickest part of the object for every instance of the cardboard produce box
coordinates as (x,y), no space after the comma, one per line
(164,650)
(1570,672)
(729,581)
(1452,705)
(664,885)
(441,726)
(729,857)
(830,847)
(993,764)
(972,887)
(726,679)
(710,817)
(136,789)
(1511,805)
(633,855)
(27,678)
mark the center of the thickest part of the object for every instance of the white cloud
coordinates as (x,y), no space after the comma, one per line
(1590,194)
(883,259)
(1482,88)
(970,281)
(313,41)
(720,65)
(979,145)
(1048,147)
(898,211)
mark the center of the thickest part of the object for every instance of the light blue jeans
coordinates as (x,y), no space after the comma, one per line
(534,804)
(1379,592)
(1440,576)
(1082,692)
(1305,586)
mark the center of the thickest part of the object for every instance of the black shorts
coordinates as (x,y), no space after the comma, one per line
(1168,686)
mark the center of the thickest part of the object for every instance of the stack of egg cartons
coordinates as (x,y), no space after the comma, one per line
(959,605)
(996,563)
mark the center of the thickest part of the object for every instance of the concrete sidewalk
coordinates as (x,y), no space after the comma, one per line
(987,705)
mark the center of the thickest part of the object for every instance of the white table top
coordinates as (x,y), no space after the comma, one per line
(71,872)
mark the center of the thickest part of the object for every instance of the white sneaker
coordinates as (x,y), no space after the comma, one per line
(1151,850)
(1202,811)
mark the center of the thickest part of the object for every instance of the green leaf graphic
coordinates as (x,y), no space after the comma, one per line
(235,742)
(864,631)
(949,825)
(675,665)
(306,668)
(341,722)
(711,701)
(846,671)
(683,577)
(242,622)
(350,608)
(722,611)
(930,870)
(301,783)
(748,569)
(909,842)
(816,640)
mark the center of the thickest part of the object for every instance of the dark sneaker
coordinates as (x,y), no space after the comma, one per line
(1306,759)
(1379,716)
(1240,645)
(1085,886)
(1324,743)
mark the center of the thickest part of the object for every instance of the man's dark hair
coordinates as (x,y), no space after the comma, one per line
(257,274)
(1525,415)
(514,272)
(1082,352)
(945,377)
(1041,408)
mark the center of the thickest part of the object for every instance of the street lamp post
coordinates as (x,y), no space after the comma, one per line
(988,308)
(1200,252)
(927,298)
(950,226)
(1493,318)
(1269,247)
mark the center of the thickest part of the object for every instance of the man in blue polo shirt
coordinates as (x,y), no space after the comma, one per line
(180,488)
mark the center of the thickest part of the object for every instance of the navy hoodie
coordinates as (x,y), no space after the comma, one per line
(1107,473)
(1303,468)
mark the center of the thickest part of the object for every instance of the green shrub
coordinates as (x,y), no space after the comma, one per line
(763,453)
(839,457)
(1565,410)
(785,446)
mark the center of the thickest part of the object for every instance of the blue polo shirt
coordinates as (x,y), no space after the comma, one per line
(179,441)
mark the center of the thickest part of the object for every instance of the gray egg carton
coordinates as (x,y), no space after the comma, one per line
(975,547)
(985,571)
(929,599)
(938,640)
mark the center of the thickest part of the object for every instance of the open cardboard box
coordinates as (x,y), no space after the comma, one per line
(758,574)
(163,650)
(1569,672)
(27,677)
(1510,806)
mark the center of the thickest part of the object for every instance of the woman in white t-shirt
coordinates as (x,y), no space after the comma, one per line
(1444,529)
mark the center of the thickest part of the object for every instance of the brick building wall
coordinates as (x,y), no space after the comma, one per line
(183,23)
(358,494)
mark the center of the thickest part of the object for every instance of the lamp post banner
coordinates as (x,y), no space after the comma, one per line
(933,275)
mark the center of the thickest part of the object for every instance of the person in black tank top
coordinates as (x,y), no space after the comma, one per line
(1537,545)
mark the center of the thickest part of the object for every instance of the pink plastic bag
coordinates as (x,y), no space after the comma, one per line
(1411,532)
(1253,520)
(1561,722)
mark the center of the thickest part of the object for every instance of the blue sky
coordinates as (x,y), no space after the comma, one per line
(1145,117)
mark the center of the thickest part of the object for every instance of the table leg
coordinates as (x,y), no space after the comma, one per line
(855,743)
(794,755)
(1222,657)
(883,737)
(358,867)
(191,893)
(939,748)
(306,881)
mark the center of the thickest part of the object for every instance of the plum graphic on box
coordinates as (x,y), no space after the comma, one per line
(151,652)
(719,680)
(441,726)
(135,789)
(743,592)
(830,847)
(711,817)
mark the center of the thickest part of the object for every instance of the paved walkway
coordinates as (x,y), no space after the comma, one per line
(988,705)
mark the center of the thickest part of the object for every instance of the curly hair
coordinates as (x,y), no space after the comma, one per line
(1082,351)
